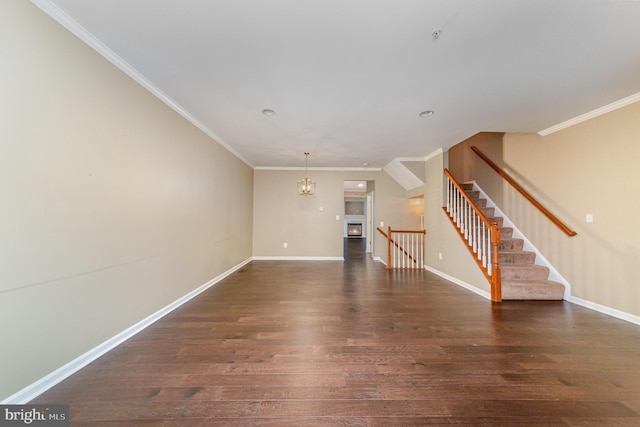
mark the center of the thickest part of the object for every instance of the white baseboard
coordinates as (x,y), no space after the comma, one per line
(297,258)
(37,388)
(459,282)
(631,318)
(34,390)
(622,315)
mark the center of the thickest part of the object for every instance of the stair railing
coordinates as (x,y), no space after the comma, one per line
(481,236)
(529,197)
(405,248)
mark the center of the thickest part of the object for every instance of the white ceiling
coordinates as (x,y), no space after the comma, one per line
(347,78)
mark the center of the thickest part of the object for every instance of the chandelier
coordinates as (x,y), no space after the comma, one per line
(306,186)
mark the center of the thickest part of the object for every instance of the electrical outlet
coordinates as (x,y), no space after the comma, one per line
(589,217)
(439,255)
(285,245)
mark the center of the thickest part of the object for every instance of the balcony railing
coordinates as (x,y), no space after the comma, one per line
(405,248)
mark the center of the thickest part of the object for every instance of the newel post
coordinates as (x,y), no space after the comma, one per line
(496,281)
(389,259)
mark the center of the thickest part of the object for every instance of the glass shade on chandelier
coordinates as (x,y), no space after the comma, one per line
(306,186)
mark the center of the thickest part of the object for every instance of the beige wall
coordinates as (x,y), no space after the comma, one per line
(112,206)
(281,215)
(465,165)
(592,168)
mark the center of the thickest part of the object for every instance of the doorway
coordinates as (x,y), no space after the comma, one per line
(358,209)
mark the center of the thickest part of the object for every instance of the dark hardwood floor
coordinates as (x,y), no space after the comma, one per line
(319,343)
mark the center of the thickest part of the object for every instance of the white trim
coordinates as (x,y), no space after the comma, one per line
(435,153)
(622,315)
(351,169)
(410,159)
(79,31)
(459,282)
(297,258)
(40,386)
(591,114)
(331,169)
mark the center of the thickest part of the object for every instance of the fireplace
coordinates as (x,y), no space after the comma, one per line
(354,229)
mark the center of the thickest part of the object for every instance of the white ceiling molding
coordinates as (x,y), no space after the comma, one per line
(435,153)
(592,114)
(411,159)
(425,158)
(76,29)
(402,175)
(329,169)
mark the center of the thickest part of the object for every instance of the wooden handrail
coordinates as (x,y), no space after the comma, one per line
(402,231)
(529,197)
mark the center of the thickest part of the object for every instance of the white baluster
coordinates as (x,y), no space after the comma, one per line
(489,253)
(484,244)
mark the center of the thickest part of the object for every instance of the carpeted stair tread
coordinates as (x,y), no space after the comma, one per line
(497,219)
(506,233)
(532,290)
(488,212)
(516,257)
(524,272)
(482,203)
(474,194)
(510,244)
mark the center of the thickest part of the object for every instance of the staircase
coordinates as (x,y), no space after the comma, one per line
(522,279)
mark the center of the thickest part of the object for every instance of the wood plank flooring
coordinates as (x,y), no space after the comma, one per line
(326,343)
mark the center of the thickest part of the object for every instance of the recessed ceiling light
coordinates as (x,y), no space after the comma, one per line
(365,164)
(361,185)
(427,113)
(268,112)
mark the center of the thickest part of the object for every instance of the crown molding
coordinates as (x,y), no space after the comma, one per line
(330,169)
(591,114)
(435,153)
(79,31)
(410,159)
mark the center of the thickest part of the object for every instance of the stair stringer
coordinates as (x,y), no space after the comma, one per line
(554,274)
